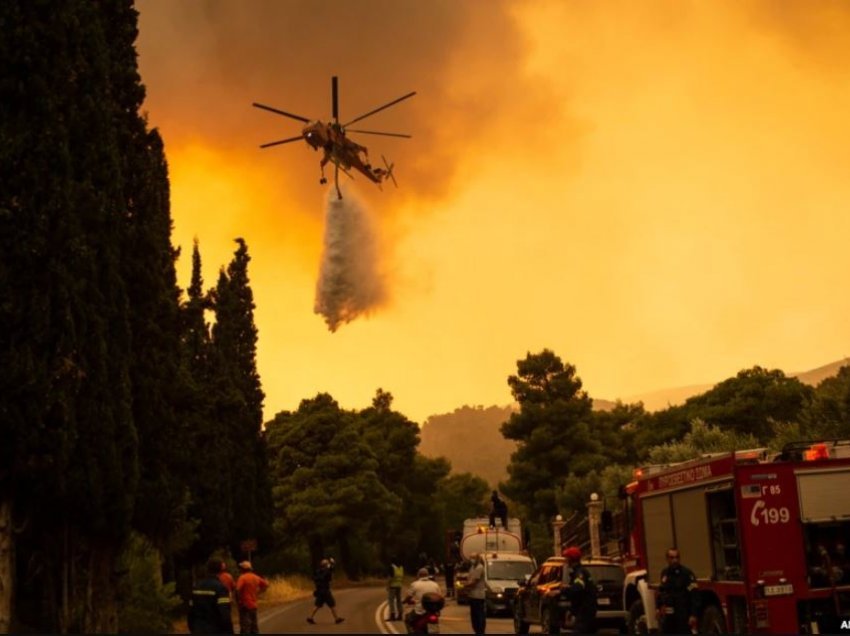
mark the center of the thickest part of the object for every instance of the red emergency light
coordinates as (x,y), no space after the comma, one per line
(816,451)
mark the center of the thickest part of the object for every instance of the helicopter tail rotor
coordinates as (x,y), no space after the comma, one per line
(389,173)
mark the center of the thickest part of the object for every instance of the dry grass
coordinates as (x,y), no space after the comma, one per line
(286,588)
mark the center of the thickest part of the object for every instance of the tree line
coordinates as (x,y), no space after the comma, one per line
(352,484)
(130,427)
(566,450)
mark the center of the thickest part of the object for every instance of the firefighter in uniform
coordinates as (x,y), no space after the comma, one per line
(679,601)
(581,593)
(209,607)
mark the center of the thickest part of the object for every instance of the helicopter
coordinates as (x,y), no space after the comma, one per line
(338,149)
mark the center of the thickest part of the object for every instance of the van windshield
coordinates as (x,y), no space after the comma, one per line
(509,570)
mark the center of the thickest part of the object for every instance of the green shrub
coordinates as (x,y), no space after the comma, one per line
(146,604)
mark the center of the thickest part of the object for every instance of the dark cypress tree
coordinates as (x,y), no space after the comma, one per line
(103,471)
(209,471)
(37,376)
(148,264)
(240,397)
(64,209)
(90,323)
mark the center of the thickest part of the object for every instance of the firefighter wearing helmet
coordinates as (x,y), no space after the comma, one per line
(580,591)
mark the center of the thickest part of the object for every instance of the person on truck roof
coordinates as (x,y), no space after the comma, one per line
(679,600)
(498,509)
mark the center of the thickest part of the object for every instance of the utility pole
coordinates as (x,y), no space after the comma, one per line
(594,516)
(557,525)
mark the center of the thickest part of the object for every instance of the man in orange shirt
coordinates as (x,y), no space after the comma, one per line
(248,585)
(227,580)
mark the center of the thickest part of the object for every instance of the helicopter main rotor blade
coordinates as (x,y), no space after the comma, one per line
(375,132)
(281,112)
(334,101)
(377,110)
(282,141)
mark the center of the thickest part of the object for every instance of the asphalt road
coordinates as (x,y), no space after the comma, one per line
(365,612)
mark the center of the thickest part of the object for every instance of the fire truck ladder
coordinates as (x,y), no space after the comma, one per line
(491,539)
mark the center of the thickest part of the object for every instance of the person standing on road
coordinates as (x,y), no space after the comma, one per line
(209,607)
(581,592)
(248,586)
(322,593)
(395,580)
(477,588)
(227,580)
(679,601)
(449,573)
(423,585)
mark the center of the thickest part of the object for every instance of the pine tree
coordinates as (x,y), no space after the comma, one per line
(554,428)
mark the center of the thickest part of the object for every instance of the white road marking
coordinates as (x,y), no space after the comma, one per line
(381,621)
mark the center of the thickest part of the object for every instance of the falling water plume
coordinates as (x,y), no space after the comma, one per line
(350,282)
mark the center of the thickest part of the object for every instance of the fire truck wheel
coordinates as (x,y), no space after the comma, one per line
(637,619)
(713,621)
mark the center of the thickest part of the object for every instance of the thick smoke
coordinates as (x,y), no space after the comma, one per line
(350,282)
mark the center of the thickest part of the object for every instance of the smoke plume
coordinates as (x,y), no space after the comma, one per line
(350,282)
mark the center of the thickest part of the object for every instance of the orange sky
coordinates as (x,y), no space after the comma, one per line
(658,191)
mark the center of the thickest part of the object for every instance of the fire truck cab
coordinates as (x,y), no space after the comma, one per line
(766,537)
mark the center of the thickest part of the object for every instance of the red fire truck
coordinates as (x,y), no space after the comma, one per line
(765,536)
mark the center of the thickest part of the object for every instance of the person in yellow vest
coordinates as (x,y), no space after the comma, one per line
(395,582)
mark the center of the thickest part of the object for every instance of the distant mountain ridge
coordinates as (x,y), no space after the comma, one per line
(661,399)
(470,437)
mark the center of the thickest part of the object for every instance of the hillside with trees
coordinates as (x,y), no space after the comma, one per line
(470,437)
(565,450)
(471,440)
